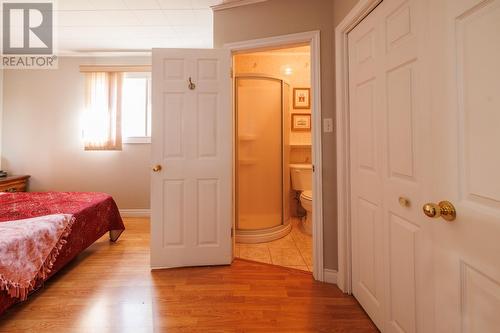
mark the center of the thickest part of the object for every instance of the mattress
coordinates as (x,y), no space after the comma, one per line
(94,214)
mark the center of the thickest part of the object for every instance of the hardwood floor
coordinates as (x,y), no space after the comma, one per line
(110,288)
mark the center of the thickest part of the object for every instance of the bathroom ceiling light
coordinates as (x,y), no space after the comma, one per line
(287,70)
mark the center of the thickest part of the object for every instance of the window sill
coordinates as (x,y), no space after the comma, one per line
(137,140)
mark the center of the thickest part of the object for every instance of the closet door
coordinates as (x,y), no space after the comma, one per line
(465,49)
(367,211)
(191,194)
(389,143)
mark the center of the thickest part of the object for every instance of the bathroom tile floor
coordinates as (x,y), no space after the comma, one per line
(294,250)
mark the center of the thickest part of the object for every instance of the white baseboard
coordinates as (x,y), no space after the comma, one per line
(135,212)
(330,275)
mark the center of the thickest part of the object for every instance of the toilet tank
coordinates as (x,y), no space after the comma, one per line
(301,175)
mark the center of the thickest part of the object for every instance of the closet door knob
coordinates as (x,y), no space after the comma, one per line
(444,209)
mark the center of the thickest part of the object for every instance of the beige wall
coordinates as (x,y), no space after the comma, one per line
(341,8)
(280,17)
(42,136)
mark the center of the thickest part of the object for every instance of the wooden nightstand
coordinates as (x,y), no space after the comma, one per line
(14,184)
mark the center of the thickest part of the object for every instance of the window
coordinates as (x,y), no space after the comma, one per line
(136,108)
(102,111)
(117,106)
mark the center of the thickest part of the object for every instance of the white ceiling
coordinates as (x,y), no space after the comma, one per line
(119,25)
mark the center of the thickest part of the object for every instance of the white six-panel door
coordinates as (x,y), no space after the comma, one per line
(466,135)
(366,170)
(389,116)
(191,197)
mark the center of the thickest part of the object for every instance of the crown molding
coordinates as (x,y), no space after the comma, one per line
(234,3)
(104,53)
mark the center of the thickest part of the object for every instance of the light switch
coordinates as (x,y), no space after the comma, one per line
(328,125)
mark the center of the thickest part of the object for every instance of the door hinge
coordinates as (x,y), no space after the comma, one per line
(313,168)
(231,72)
(232,232)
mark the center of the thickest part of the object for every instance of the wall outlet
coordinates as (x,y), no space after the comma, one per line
(328,125)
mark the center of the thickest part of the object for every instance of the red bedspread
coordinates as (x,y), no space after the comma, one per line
(95,214)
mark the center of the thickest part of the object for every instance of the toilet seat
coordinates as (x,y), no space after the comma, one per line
(307,204)
(306,201)
(307,195)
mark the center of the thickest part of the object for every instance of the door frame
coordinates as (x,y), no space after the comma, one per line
(362,9)
(313,38)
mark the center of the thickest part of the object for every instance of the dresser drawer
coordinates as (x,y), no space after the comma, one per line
(14,184)
(15,187)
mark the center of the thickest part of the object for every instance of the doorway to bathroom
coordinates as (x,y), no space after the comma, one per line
(273,156)
(195,137)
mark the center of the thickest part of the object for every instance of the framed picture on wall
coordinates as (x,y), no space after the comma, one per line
(301,98)
(301,122)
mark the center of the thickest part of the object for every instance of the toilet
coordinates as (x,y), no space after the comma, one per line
(301,175)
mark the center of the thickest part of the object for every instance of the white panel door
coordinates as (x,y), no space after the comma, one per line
(389,113)
(466,159)
(366,169)
(191,196)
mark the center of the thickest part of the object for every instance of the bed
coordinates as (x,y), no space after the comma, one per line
(93,215)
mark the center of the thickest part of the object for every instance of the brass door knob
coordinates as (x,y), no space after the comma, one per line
(444,209)
(157,168)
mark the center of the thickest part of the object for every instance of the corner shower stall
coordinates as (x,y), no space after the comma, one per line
(262,158)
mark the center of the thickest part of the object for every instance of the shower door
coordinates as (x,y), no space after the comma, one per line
(259,153)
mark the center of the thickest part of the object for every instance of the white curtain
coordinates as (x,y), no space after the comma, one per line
(102,128)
